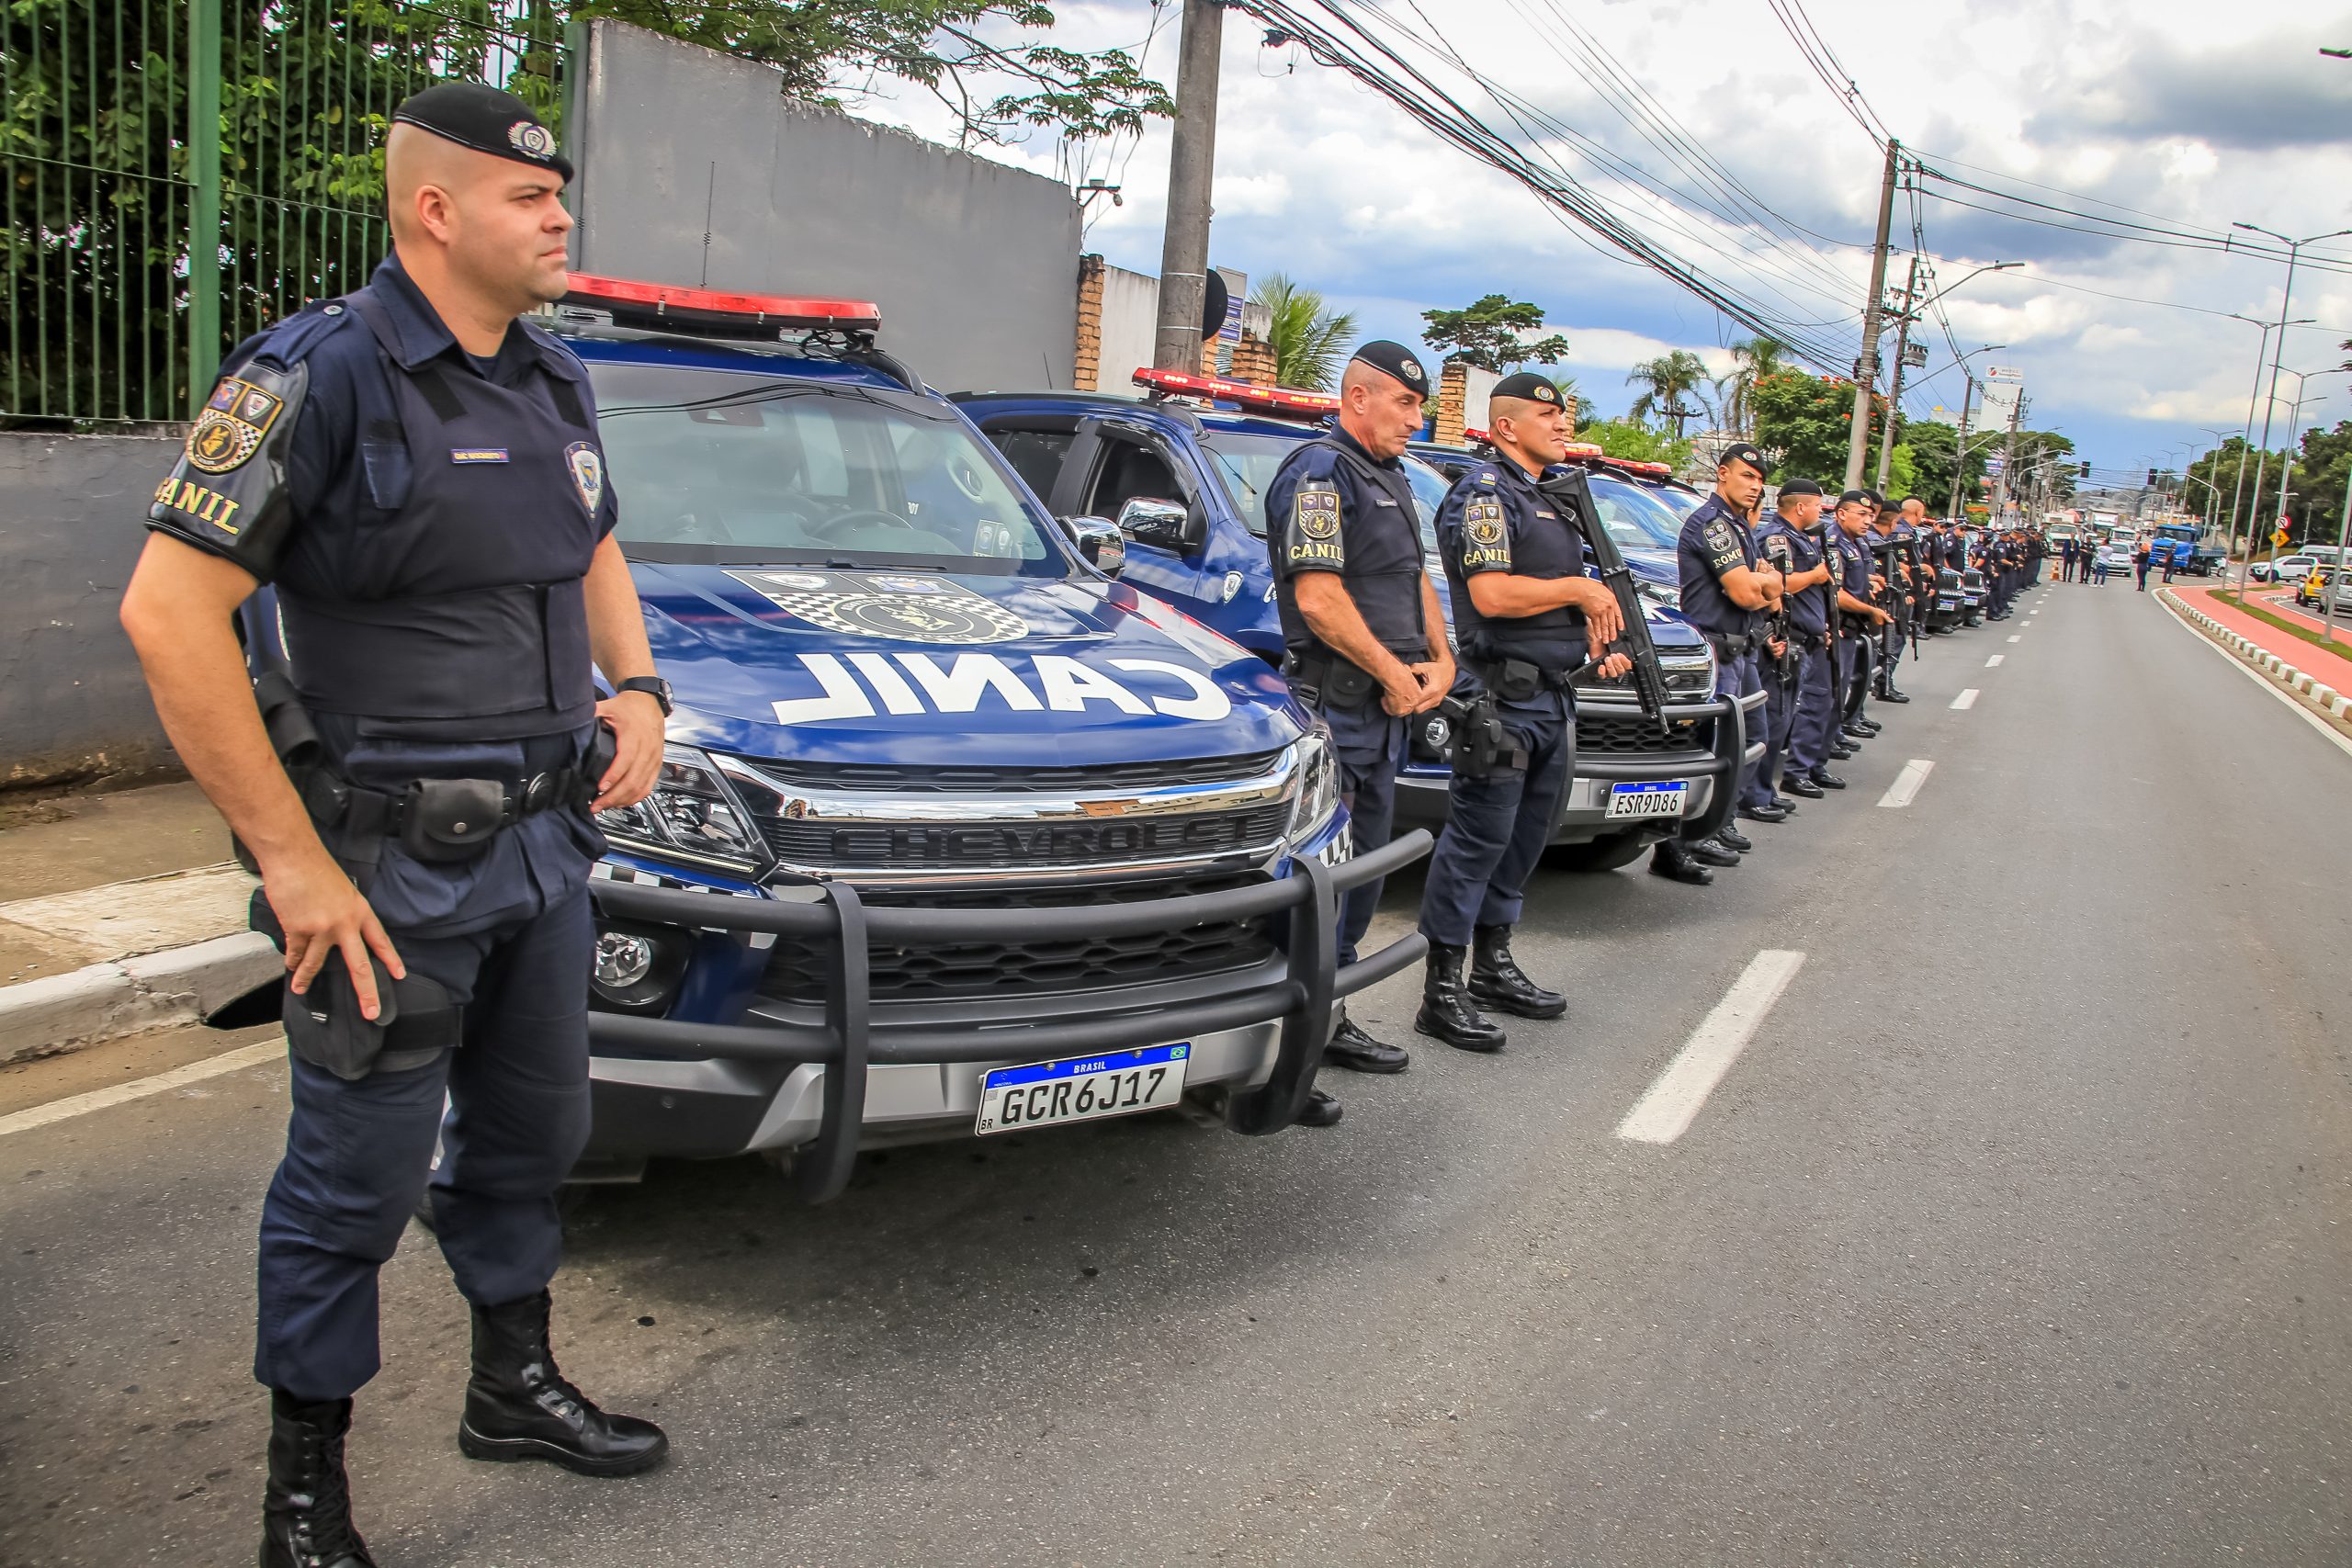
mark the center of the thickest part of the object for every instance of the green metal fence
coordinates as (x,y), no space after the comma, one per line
(139,248)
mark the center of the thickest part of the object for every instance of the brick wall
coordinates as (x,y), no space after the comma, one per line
(1088,367)
(1453,396)
(1253,359)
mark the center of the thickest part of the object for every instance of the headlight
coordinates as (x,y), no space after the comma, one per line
(691,811)
(1318,783)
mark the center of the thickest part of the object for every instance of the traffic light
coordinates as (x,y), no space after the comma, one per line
(2084,469)
(2151,479)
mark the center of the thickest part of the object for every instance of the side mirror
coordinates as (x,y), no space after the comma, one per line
(1100,541)
(1164,525)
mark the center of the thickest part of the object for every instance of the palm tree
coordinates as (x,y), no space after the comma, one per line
(1666,382)
(1307,340)
(1758,357)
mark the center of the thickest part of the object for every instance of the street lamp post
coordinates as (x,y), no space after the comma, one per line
(2286,299)
(2252,400)
(1910,313)
(1960,442)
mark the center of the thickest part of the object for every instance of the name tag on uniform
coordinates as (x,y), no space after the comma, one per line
(1381,501)
(1546,513)
(478,454)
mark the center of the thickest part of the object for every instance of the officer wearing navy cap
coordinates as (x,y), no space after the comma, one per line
(1892,543)
(1859,617)
(1363,632)
(1726,588)
(416,474)
(1525,612)
(1798,715)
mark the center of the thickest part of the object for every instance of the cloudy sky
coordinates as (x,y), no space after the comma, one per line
(2177,116)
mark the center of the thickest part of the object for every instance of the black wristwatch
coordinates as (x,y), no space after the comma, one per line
(652,684)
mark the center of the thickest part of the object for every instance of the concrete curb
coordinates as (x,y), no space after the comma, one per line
(128,996)
(2314,693)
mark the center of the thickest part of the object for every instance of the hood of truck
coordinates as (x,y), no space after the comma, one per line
(935,668)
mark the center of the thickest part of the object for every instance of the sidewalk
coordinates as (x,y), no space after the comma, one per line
(118,913)
(2307,672)
(2333,669)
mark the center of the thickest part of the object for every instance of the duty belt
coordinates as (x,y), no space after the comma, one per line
(1505,676)
(1727,646)
(439,820)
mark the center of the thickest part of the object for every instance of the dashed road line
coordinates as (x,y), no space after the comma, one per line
(1967,699)
(1906,782)
(1995,662)
(1673,1102)
(123,1093)
(2014,637)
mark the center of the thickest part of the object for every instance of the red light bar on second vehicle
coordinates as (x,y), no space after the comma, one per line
(690,307)
(1249,394)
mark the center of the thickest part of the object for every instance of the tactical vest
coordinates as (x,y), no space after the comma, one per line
(1553,639)
(466,617)
(1383,570)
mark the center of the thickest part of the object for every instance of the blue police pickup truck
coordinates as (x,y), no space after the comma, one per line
(1182,471)
(956,832)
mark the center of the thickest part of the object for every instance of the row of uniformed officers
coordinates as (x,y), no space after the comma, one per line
(1813,611)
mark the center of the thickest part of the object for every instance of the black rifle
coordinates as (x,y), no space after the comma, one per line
(1776,625)
(1569,492)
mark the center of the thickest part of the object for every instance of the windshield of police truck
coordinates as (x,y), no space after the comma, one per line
(1245,465)
(721,467)
(1634,517)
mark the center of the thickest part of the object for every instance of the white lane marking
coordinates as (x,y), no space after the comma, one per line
(2014,638)
(2334,736)
(1666,1111)
(1966,699)
(123,1093)
(1906,782)
(1995,662)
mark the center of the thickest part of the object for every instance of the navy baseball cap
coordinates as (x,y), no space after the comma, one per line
(485,120)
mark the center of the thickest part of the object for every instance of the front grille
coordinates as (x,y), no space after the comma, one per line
(849,847)
(1634,735)
(979,779)
(1014,967)
(1685,677)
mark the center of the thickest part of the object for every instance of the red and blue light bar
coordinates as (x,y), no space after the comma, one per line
(675,306)
(1251,396)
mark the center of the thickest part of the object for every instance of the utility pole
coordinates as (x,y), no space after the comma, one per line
(1895,396)
(204,199)
(1960,447)
(1191,165)
(1858,439)
(1998,517)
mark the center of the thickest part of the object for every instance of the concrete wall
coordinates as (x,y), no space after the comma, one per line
(1130,326)
(694,170)
(72,702)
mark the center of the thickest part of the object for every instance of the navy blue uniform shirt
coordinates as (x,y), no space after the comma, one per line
(1715,540)
(1807,609)
(1350,513)
(1494,519)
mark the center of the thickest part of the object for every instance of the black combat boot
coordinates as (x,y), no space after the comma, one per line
(1672,860)
(1446,1013)
(1350,1047)
(1710,852)
(1733,840)
(1320,1110)
(306,1508)
(519,1407)
(1497,980)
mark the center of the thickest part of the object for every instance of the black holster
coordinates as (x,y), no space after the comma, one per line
(415,1017)
(1324,679)
(1481,747)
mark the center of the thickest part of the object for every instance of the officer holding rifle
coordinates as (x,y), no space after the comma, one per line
(1526,613)
(1797,707)
(1859,617)
(1892,546)
(417,474)
(1365,634)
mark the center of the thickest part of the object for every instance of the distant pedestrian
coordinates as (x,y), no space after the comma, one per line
(2066,556)
(2172,560)
(2099,564)
(2140,555)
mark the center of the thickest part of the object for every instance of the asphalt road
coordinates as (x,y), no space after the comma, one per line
(2014,1236)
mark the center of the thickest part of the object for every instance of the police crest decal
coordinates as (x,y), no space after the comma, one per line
(587,465)
(895,607)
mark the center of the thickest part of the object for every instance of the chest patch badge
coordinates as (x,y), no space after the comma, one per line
(229,432)
(1318,511)
(587,465)
(896,608)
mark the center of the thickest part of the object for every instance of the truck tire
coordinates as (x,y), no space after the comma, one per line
(1607,853)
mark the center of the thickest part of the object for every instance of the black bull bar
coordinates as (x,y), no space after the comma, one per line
(1306,1000)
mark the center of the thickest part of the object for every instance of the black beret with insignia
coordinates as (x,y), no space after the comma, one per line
(1800,487)
(1394,360)
(1874,499)
(1853,495)
(486,121)
(1528,385)
(1741,452)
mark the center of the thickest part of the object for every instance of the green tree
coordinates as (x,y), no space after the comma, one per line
(1931,444)
(1308,340)
(1752,361)
(1636,442)
(1671,383)
(1492,334)
(1804,419)
(982,59)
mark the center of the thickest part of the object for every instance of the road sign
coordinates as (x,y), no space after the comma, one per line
(2278,536)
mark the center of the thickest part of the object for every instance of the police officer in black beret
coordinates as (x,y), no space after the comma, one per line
(1798,713)
(1365,634)
(416,473)
(1726,588)
(1525,612)
(1859,617)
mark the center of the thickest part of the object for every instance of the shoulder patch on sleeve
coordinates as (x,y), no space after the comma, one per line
(1311,538)
(227,493)
(1485,535)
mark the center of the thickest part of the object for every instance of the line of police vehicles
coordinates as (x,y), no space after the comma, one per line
(984,807)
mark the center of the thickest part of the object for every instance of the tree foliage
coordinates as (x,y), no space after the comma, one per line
(1670,385)
(1804,419)
(1636,442)
(1929,444)
(1752,361)
(1492,333)
(2315,486)
(1309,340)
(982,59)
